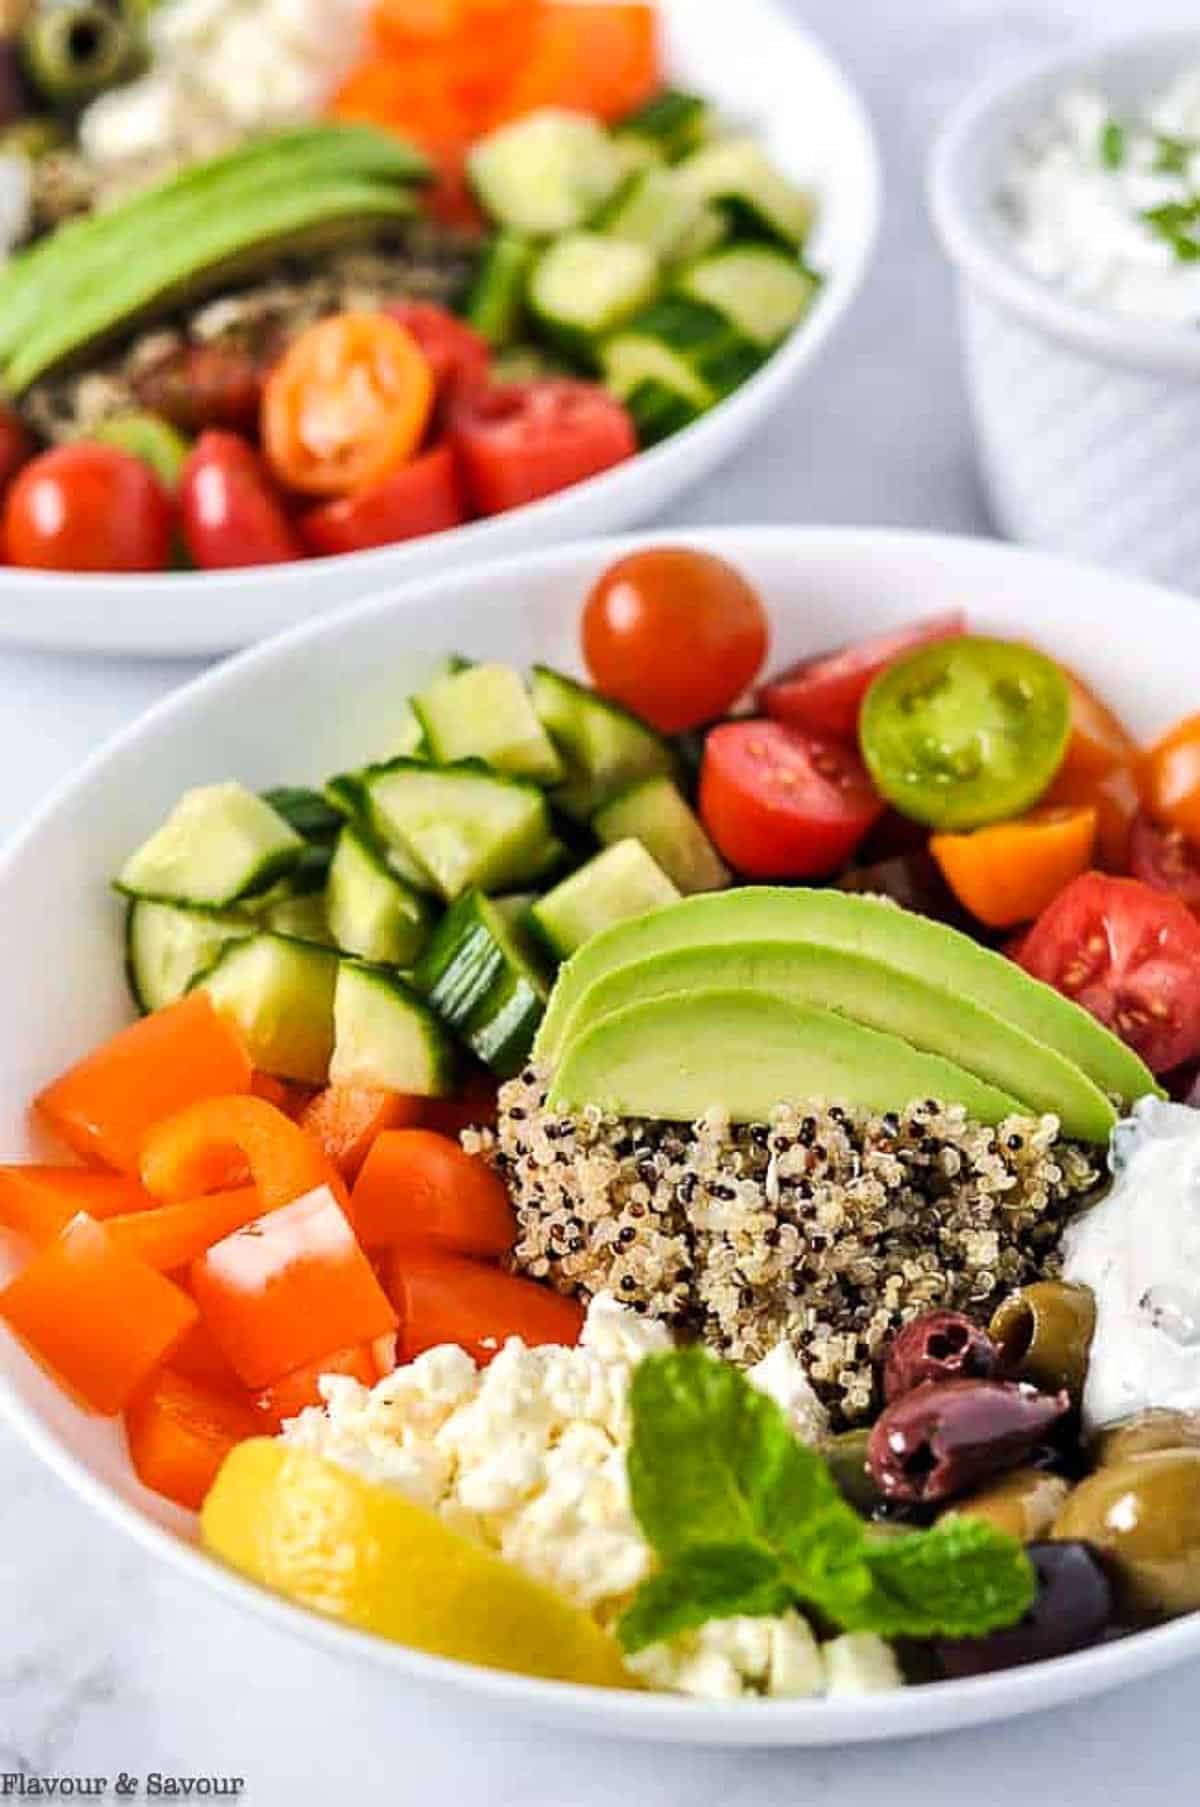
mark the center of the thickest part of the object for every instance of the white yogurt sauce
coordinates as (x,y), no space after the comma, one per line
(1139,1251)
(1078,200)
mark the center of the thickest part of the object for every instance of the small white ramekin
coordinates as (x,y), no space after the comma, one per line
(1087,421)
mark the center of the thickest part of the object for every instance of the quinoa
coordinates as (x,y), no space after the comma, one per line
(827,1227)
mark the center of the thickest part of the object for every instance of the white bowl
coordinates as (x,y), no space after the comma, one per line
(1088,421)
(320,700)
(760,68)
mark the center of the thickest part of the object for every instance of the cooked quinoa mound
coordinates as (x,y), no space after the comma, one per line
(827,1227)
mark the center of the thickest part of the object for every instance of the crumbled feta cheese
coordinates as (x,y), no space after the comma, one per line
(16,202)
(781,1376)
(860,1663)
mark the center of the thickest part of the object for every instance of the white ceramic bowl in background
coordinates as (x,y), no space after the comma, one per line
(1088,422)
(760,68)
(325,698)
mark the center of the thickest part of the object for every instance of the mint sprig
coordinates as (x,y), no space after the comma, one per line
(744,1519)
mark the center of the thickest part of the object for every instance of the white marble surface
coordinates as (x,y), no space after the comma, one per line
(106,1661)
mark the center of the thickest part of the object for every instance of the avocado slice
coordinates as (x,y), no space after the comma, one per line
(922,948)
(879,996)
(744,1052)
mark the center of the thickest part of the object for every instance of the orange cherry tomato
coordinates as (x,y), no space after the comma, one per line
(347,404)
(208,1147)
(1010,872)
(674,635)
(1100,771)
(179,1433)
(1172,778)
(417,1187)
(450,1299)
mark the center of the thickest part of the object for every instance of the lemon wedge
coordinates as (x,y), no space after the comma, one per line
(364,1554)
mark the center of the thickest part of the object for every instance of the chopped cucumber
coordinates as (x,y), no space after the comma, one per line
(719,356)
(622,881)
(279,993)
(761,291)
(484,982)
(311,815)
(386,1037)
(737,175)
(661,391)
(652,210)
(302,918)
(636,153)
(654,813)
(677,123)
(349,792)
(219,844)
(546,173)
(485,713)
(466,825)
(372,912)
(587,285)
(496,305)
(166,945)
(710,230)
(604,746)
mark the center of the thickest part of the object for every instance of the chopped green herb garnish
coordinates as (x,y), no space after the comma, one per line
(1112,144)
(1174,154)
(1179,223)
(747,1520)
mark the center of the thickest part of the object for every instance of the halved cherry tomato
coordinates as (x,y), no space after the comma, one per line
(38,1202)
(780,804)
(1100,770)
(88,507)
(689,601)
(1009,873)
(346,405)
(459,357)
(288,1397)
(519,442)
(207,1147)
(421,1189)
(17,445)
(423,497)
(450,1299)
(1166,859)
(346,1120)
(231,511)
(1128,954)
(179,1433)
(1172,778)
(823,695)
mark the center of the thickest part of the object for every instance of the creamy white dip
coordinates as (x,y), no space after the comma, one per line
(1085,196)
(1139,1251)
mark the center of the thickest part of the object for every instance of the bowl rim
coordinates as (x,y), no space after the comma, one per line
(906,1712)
(978,250)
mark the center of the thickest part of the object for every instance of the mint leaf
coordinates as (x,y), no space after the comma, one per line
(961,1579)
(709,1581)
(1112,144)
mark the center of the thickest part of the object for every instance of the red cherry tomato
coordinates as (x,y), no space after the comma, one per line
(522,441)
(1128,954)
(1166,859)
(17,445)
(232,512)
(686,603)
(823,695)
(781,804)
(461,360)
(423,497)
(88,508)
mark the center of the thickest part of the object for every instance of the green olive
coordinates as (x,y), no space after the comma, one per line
(846,1455)
(1044,1333)
(1144,1434)
(1143,1514)
(74,49)
(1025,1503)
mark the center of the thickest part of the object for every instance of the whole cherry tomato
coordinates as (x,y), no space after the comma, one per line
(781,804)
(1172,778)
(232,512)
(88,507)
(519,442)
(674,635)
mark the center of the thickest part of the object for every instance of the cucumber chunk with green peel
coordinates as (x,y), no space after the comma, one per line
(279,994)
(586,285)
(166,945)
(349,793)
(371,911)
(546,173)
(302,918)
(496,305)
(485,713)
(674,121)
(603,746)
(386,1037)
(622,881)
(307,811)
(761,291)
(654,813)
(652,210)
(737,175)
(464,824)
(485,981)
(219,844)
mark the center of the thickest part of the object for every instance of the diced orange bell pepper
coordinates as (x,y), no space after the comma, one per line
(601,58)
(450,1299)
(345,1120)
(103,1107)
(288,1287)
(179,1434)
(198,1358)
(288,1397)
(100,1319)
(209,1146)
(1007,874)
(399,25)
(176,1235)
(420,1189)
(39,1201)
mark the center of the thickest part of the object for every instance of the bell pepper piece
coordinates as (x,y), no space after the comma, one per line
(473,1106)
(39,1201)
(209,1146)
(179,1434)
(288,1397)
(591,58)
(176,1235)
(420,1189)
(450,1299)
(345,1121)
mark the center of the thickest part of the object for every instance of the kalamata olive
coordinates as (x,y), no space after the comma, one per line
(201,387)
(1044,1334)
(846,1455)
(1144,1434)
(1024,1503)
(945,1436)
(1143,1515)
(911,879)
(1073,1608)
(15,99)
(943,1345)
